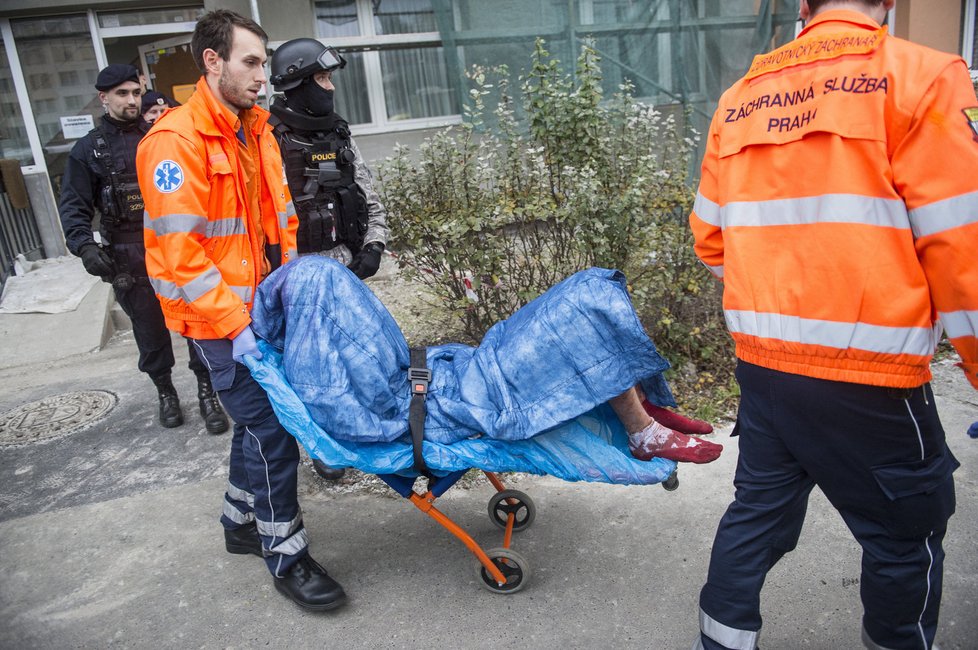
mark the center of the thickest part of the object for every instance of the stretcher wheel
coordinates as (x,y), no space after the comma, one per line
(524,509)
(513,566)
(671,483)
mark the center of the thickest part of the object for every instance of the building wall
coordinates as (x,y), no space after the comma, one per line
(934,23)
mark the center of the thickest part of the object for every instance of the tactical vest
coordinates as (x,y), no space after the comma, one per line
(118,199)
(319,168)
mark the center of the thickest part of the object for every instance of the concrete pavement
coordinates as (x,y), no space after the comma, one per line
(109,537)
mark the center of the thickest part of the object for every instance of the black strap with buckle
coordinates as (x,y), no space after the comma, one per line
(419,377)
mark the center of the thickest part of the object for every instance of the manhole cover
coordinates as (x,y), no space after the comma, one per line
(54,417)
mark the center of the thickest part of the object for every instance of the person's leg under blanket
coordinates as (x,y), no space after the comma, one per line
(649,439)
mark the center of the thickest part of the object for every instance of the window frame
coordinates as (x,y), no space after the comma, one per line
(369,43)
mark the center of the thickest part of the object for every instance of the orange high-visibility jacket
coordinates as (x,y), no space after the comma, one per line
(204,253)
(838,203)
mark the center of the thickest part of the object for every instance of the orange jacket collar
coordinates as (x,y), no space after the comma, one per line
(223,121)
(853,18)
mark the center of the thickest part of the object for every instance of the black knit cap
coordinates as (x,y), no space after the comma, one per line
(112,75)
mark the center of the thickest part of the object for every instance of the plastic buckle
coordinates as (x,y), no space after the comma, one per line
(419,378)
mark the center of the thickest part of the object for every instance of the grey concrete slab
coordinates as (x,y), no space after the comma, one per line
(109,538)
(39,338)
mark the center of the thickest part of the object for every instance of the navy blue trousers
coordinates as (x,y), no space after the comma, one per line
(262,473)
(879,456)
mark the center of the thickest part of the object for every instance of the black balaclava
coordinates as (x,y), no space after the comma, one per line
(310,98)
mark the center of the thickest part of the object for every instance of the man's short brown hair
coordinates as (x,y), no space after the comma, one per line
(815,5)
(215,31)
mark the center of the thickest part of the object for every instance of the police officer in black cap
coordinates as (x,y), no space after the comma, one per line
(340,214)
(100,180)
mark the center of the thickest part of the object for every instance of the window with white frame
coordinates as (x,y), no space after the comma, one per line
(396,72)
(969,35)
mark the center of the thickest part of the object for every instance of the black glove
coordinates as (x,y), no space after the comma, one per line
(96,260)
(367,261)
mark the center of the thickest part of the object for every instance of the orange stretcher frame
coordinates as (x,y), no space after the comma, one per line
(501,570)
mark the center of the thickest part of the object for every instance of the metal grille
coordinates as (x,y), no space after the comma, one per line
(18,235)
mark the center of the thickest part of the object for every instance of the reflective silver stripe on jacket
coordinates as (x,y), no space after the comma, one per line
(206,281)
(959,323)
(245,293)
(293,545)
(727,636)
(827,208)
(169,224)
(715,270)
(171,291)
(861,336)
(279,528)
(707,210)
(948,214)
(236,515)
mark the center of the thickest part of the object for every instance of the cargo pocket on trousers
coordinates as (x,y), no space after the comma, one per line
(216,355)
(920,494)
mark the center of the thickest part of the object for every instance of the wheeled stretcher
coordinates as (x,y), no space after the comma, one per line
(532,397)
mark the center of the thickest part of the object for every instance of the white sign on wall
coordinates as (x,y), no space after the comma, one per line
(76,126)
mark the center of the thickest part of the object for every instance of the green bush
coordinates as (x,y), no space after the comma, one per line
(489,218)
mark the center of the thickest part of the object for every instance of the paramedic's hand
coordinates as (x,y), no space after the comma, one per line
(367,261)
(244,343)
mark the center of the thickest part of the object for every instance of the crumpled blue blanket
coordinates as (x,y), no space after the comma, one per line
(530,398)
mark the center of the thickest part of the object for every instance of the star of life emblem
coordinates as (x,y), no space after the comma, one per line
(168,177)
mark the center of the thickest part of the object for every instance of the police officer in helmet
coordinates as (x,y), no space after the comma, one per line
(340,214)
(100,180)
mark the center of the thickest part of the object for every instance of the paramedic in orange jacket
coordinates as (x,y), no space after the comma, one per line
(838,204)
(218,220)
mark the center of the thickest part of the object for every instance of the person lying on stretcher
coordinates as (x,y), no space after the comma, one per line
(570,350)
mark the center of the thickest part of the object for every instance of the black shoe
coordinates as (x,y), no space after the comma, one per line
(170,413)
(327,472)
(210,408)
(243,540)
(308,585)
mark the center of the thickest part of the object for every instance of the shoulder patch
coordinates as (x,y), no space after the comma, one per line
(168,176)
(972,115)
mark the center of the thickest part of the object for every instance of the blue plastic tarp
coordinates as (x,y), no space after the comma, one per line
(530,398)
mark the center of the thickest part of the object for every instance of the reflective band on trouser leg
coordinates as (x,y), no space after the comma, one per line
(264,457)
(726,637)
(238,507)
(231,515)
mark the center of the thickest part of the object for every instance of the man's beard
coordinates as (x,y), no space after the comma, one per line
(232,95)
(128,114)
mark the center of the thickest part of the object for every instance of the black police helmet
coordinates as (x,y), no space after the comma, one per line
(299,58)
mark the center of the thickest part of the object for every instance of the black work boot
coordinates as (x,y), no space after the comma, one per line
(327,472)
(308,585)
(170,413)
(243,540)
(210,408)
